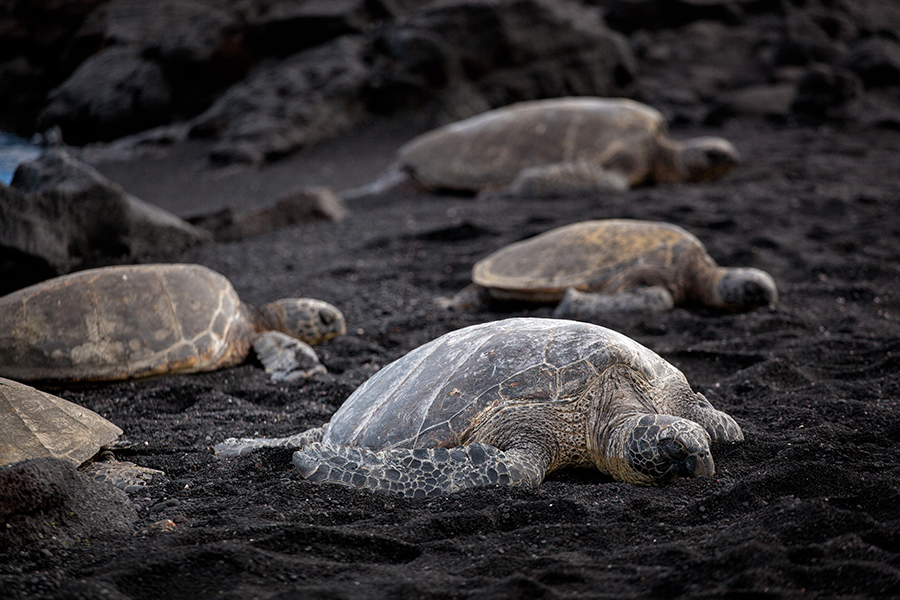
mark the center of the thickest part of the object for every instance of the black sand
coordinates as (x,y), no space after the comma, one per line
(806,507)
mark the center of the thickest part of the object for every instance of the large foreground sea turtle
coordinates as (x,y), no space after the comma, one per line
(615,265)
(560,145)
(34,424)
(506,403)
(134,321)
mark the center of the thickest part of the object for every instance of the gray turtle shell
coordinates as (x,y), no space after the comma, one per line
(598,256)
(438,394)
(35,424)
(120,322)
(489,150)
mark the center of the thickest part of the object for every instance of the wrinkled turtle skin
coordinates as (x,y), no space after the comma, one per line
(135,321)
(651,265)
(578,142)
(508,402)
(35,424)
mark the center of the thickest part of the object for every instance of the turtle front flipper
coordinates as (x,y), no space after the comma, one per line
(719,425)
(239,446)
(567,178)
(587,306)
(286,358)
(121,474)
(420,472)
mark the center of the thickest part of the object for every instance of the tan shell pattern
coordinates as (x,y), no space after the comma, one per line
(120,322)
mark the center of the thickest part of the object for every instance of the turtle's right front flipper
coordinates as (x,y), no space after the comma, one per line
(420,472)
(239,446)
(586,306)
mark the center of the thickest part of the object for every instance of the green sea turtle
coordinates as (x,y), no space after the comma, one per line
(134,321)
(545,147)
(34,424)
(594,268)
(506,403)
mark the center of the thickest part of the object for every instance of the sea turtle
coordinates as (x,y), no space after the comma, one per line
(133,321)
(592,268)
(506,403)
(544,147)
(34,424)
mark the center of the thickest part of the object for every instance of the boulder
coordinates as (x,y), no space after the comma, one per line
(293,103)
(113,93)
(481,54)
(59,213)
(876,61)
(48,502)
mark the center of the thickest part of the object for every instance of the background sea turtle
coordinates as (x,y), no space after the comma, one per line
(558,145)
(34,424)
(615,265)
(508,402)
(134,321)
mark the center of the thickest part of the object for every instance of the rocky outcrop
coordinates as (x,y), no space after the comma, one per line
(308,97)
(465,56)
(59,213)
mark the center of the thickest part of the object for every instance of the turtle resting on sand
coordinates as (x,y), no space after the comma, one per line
(593,268)
(506,403)
(134,321)
(561,145)
(34,424)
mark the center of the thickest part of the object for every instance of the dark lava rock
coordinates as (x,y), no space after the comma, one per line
(49,502)
(59,212)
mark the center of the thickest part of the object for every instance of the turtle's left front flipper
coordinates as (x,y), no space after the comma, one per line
(420,472)
(121,474)
(588,306)
(286,358)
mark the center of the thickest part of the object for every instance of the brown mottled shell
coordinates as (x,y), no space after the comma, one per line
(35,424)
(438,394)
(599,256)
(489,150)
(122,322)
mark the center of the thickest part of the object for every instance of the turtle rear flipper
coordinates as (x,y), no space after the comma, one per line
(586,306)
(286,358)
(420,472)
(239,446)
(121,474)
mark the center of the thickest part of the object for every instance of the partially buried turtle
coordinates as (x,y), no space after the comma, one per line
(125,322)
(561,145)
(594,268)
(507,403)
(34,424)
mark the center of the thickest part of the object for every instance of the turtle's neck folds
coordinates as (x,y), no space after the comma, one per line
(268,317)
(668,166)
(705,275)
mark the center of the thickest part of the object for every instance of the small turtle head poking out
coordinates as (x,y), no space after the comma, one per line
(707,158)
(310,320)
(743,289)
(661,448)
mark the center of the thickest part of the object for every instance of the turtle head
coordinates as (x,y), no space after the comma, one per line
(661,448)
(706,158)
(743,289)
(309,320)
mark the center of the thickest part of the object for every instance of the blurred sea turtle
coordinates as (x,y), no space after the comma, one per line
(598,267)
(134,321)
(506,403)
(34,424)
(544,147)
